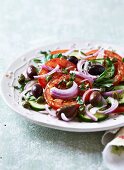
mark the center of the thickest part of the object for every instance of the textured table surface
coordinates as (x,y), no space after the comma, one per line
(27,24)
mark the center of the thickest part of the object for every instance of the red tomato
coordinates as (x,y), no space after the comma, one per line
(63,63)
(112,54)
(119,109)
(55,102)
(58,51)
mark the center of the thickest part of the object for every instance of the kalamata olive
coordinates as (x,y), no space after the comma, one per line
(69,111)
(96,99)
(73,59)
(37,90)
(96,70)
(31,71)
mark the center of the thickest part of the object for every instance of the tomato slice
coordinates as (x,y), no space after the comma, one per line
(63,63)
(58,51)
(119,65)
(90,53)
(55,102)
(112,54)
(119,109)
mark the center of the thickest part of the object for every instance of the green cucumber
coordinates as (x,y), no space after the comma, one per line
(99,116)
(36,106)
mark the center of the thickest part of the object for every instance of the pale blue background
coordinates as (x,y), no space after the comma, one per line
(27,24)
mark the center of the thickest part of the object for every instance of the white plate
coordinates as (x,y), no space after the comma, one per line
(10,96)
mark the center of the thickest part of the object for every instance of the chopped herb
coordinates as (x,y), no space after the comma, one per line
(82,86)
(48,78)
(44,53)
(64,70)
(72,76)
(20,88)
(123,59)
(79,100)
(62,81)
(83,53)
(81,108)
(36,60)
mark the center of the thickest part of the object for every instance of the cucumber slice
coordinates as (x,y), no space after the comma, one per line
(36,106)
(86,118)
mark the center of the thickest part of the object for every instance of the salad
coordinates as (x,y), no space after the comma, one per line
(73,85)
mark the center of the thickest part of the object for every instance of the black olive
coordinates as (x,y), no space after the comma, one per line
(31,71)
(69,111)
(96,70)
(96,99)
(37,90)
(73,59)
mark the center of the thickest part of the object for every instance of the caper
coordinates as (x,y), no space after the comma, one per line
(69,84)
(48,78)
(21,79)
(40,99)
(26,104)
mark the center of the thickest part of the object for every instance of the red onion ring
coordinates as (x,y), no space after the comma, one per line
(87,92)
(81,74)
(52,112)
(29,84)
(90,114)
(66,93)
(110,93)
(63,117)
(114,105)
(49,73)
(47,67)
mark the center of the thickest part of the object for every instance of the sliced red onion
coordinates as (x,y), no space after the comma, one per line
(52,112)
(65,93)
(47,67)
(29,84)
(81,74)
(49,73)
(69,52)
(84,71)
(89,113)
(110,93)
(80,64)
(65,118)
(114,105)
(100,53)
(87,92)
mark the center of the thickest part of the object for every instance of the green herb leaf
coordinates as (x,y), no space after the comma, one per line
(72,76)
(36,60)
(79,100)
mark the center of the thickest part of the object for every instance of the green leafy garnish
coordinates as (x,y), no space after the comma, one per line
(64,70)
(36,60)
(72,76)
(106,78)
(82,86)
(79,100)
